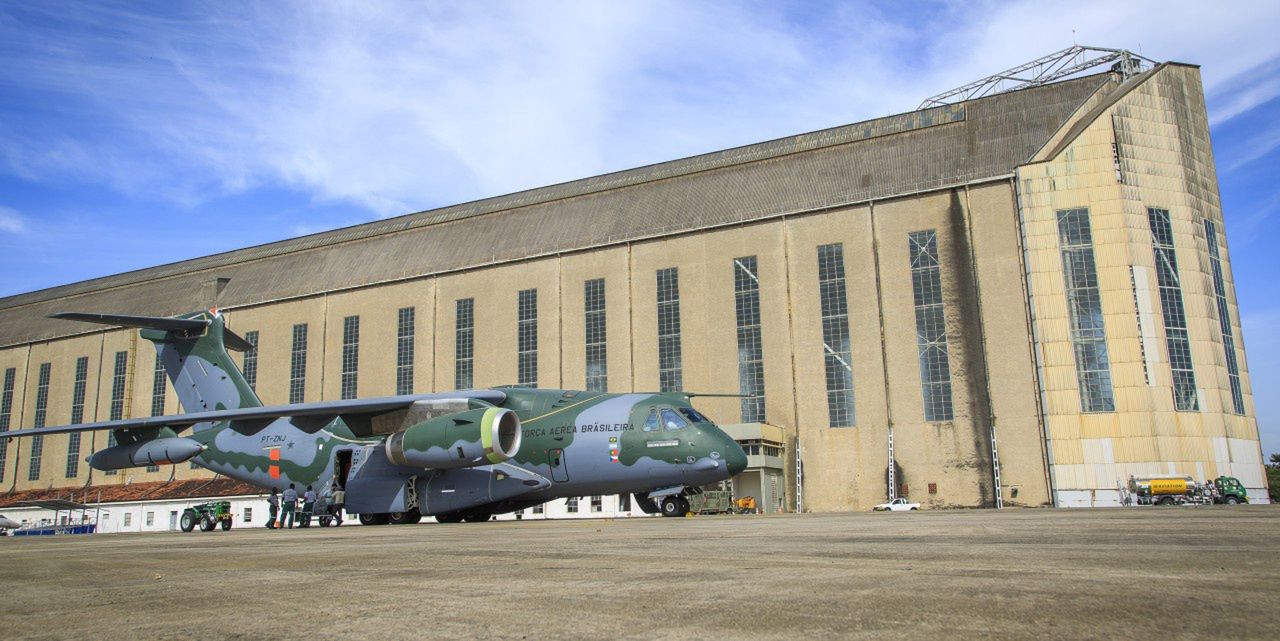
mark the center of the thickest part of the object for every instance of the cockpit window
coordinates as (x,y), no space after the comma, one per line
(652,424)
(693,415)
(672,421)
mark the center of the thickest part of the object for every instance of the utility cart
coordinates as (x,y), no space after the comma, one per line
(207,515)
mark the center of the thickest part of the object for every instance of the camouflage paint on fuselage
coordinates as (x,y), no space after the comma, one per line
(572,443)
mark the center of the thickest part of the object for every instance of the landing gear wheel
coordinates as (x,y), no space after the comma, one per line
(452,517)
(226,525)
(188,522)
(373,519)
(477,518)
(206,523)
(404,518)
(674,506)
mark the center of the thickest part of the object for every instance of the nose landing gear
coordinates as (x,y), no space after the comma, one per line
(674,505)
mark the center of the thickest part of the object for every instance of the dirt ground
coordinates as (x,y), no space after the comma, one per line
(1138,573)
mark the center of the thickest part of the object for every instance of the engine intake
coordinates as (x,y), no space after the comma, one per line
(465,439)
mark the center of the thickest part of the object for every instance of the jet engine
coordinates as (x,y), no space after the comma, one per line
(465,439)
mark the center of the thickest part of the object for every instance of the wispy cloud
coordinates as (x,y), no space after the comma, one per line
(11,222)
(395,107)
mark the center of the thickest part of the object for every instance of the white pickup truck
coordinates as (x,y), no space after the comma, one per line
(897,505)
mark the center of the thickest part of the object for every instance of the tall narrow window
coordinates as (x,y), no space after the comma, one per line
(119,380)
(77,415)
(464,343)
(158,388)
(404,351)
(251,360)
(670,369)
(350,356)
(298,364)
(1224,316)
(1175,316)
(1084,306)
(42,407)
(6,411)
(527,337)
(836,346)
(597,336)
(746,294)
(157,396)
(931,325)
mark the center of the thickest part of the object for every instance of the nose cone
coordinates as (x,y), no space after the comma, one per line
(735,459)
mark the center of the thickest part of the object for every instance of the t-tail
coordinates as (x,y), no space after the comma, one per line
(193,349)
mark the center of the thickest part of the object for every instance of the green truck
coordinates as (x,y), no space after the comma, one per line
(1183,490)
(207,515)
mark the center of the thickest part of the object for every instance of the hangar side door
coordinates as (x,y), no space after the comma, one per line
(559,472)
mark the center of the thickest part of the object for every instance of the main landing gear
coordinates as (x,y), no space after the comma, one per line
(394,518)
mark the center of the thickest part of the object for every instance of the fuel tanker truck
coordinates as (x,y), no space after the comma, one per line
(1183,490)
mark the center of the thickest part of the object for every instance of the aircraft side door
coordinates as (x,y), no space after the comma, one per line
(559,471)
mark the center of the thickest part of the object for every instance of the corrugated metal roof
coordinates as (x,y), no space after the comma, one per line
(878,158)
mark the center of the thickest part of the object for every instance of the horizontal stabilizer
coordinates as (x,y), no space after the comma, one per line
(145,322)
(181,327)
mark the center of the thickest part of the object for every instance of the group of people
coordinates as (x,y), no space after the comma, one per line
(284,507)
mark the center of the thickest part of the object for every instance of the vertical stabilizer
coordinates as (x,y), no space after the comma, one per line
(197,363)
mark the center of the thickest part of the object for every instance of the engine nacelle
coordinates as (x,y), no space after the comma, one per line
(160,451)
(465,439)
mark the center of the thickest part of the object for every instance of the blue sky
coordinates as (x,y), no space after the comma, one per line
(134,134)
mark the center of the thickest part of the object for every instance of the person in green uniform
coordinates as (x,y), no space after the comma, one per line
(273,506)
(289,506)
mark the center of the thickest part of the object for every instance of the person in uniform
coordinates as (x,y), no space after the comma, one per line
(339,502)
(290,506)
(308,506)
(273,507)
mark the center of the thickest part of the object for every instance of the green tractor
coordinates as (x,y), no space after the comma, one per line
(208,516)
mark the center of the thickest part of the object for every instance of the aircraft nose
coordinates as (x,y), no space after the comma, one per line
(735,459)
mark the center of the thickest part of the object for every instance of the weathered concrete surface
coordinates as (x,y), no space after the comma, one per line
(1123,573)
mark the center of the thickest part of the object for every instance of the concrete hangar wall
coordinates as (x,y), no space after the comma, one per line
(1026,294)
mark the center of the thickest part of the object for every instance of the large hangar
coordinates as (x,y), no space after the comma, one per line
(1017,299)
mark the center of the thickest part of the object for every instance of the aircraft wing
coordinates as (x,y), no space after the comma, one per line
(321,410)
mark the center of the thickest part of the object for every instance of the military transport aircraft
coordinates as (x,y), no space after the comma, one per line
(460,456)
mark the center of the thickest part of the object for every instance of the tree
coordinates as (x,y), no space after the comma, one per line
(1275,459)
(1273,478)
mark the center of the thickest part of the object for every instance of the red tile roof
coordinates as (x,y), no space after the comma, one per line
(152,491)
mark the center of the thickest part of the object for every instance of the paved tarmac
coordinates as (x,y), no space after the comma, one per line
(1138,573)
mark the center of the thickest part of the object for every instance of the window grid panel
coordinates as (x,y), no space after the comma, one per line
(931,326)
(597,377)
(1224,317)
(350,357)
(1176,338)
(42,407)
(77,415)
(251,360)
(1084,303)
(119,375)
(298,364)
(670,360)
(464,345)
(837,358)
(6,411)
(158,381)
(404,351)
(746,293)
(527,337)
